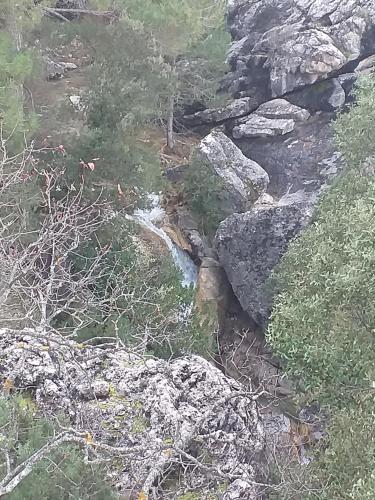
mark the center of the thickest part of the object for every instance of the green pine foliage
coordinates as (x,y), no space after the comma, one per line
(191,37)
(16,67)
(62,475)
(203,189)
(122,103)
(17,62)
(323,322)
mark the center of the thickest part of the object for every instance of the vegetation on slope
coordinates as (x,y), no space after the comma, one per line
(323,322)
(77,266)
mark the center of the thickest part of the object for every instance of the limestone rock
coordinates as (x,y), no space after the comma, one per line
(56,70)
(282,109)
(183,219)
(282,45)
(258,126)
(71,4)
(366,66)
(327,95)
(154,409)
(213,291)
(250,245)
(243,179)
(177,236)
(304,159)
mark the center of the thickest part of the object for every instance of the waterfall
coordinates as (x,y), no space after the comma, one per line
(149,218)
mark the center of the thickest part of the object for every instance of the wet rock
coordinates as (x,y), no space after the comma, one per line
(183,219)
(212,293)
(243,179)
(212,287)
(177,236)
(250,245)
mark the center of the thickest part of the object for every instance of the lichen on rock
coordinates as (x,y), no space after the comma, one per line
(164,414)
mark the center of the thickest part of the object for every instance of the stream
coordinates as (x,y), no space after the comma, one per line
(150,218)
(281,430)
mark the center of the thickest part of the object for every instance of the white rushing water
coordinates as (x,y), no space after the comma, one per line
(149,218)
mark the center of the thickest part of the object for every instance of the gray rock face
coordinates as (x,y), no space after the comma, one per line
(282,109)
(298,60)
(327,95)
(304,159)
(366,66)
(288,44)
(243,179)
(154,410)
(250,245)
(258,126)
(56,70)
(71,4)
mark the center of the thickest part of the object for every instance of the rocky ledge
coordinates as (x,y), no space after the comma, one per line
(150,415)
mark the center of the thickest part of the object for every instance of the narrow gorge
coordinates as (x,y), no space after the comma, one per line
(151,196)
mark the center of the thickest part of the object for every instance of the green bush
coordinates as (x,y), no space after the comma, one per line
(16,67)
(203,189)
(323,321)
(154,302)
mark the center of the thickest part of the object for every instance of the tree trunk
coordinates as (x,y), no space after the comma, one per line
(170,134)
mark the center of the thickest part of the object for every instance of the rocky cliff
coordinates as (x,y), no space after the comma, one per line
(293,65)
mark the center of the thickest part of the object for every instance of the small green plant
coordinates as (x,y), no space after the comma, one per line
(204,190)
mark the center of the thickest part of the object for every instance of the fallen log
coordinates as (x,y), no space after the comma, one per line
(59,13)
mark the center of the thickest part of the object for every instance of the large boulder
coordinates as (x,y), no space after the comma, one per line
(250,245)
(282,110)
(243,180)
(259,126)
(327,95)
(150,417)
(282,45)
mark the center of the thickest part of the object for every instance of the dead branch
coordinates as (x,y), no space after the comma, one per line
(59,13)
(15,476)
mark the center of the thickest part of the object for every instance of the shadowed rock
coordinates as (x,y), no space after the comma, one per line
(250,245)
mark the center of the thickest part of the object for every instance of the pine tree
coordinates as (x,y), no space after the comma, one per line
(17,19)
(188,34)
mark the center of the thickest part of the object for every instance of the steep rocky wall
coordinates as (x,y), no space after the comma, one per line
(282,45)
(293,65)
